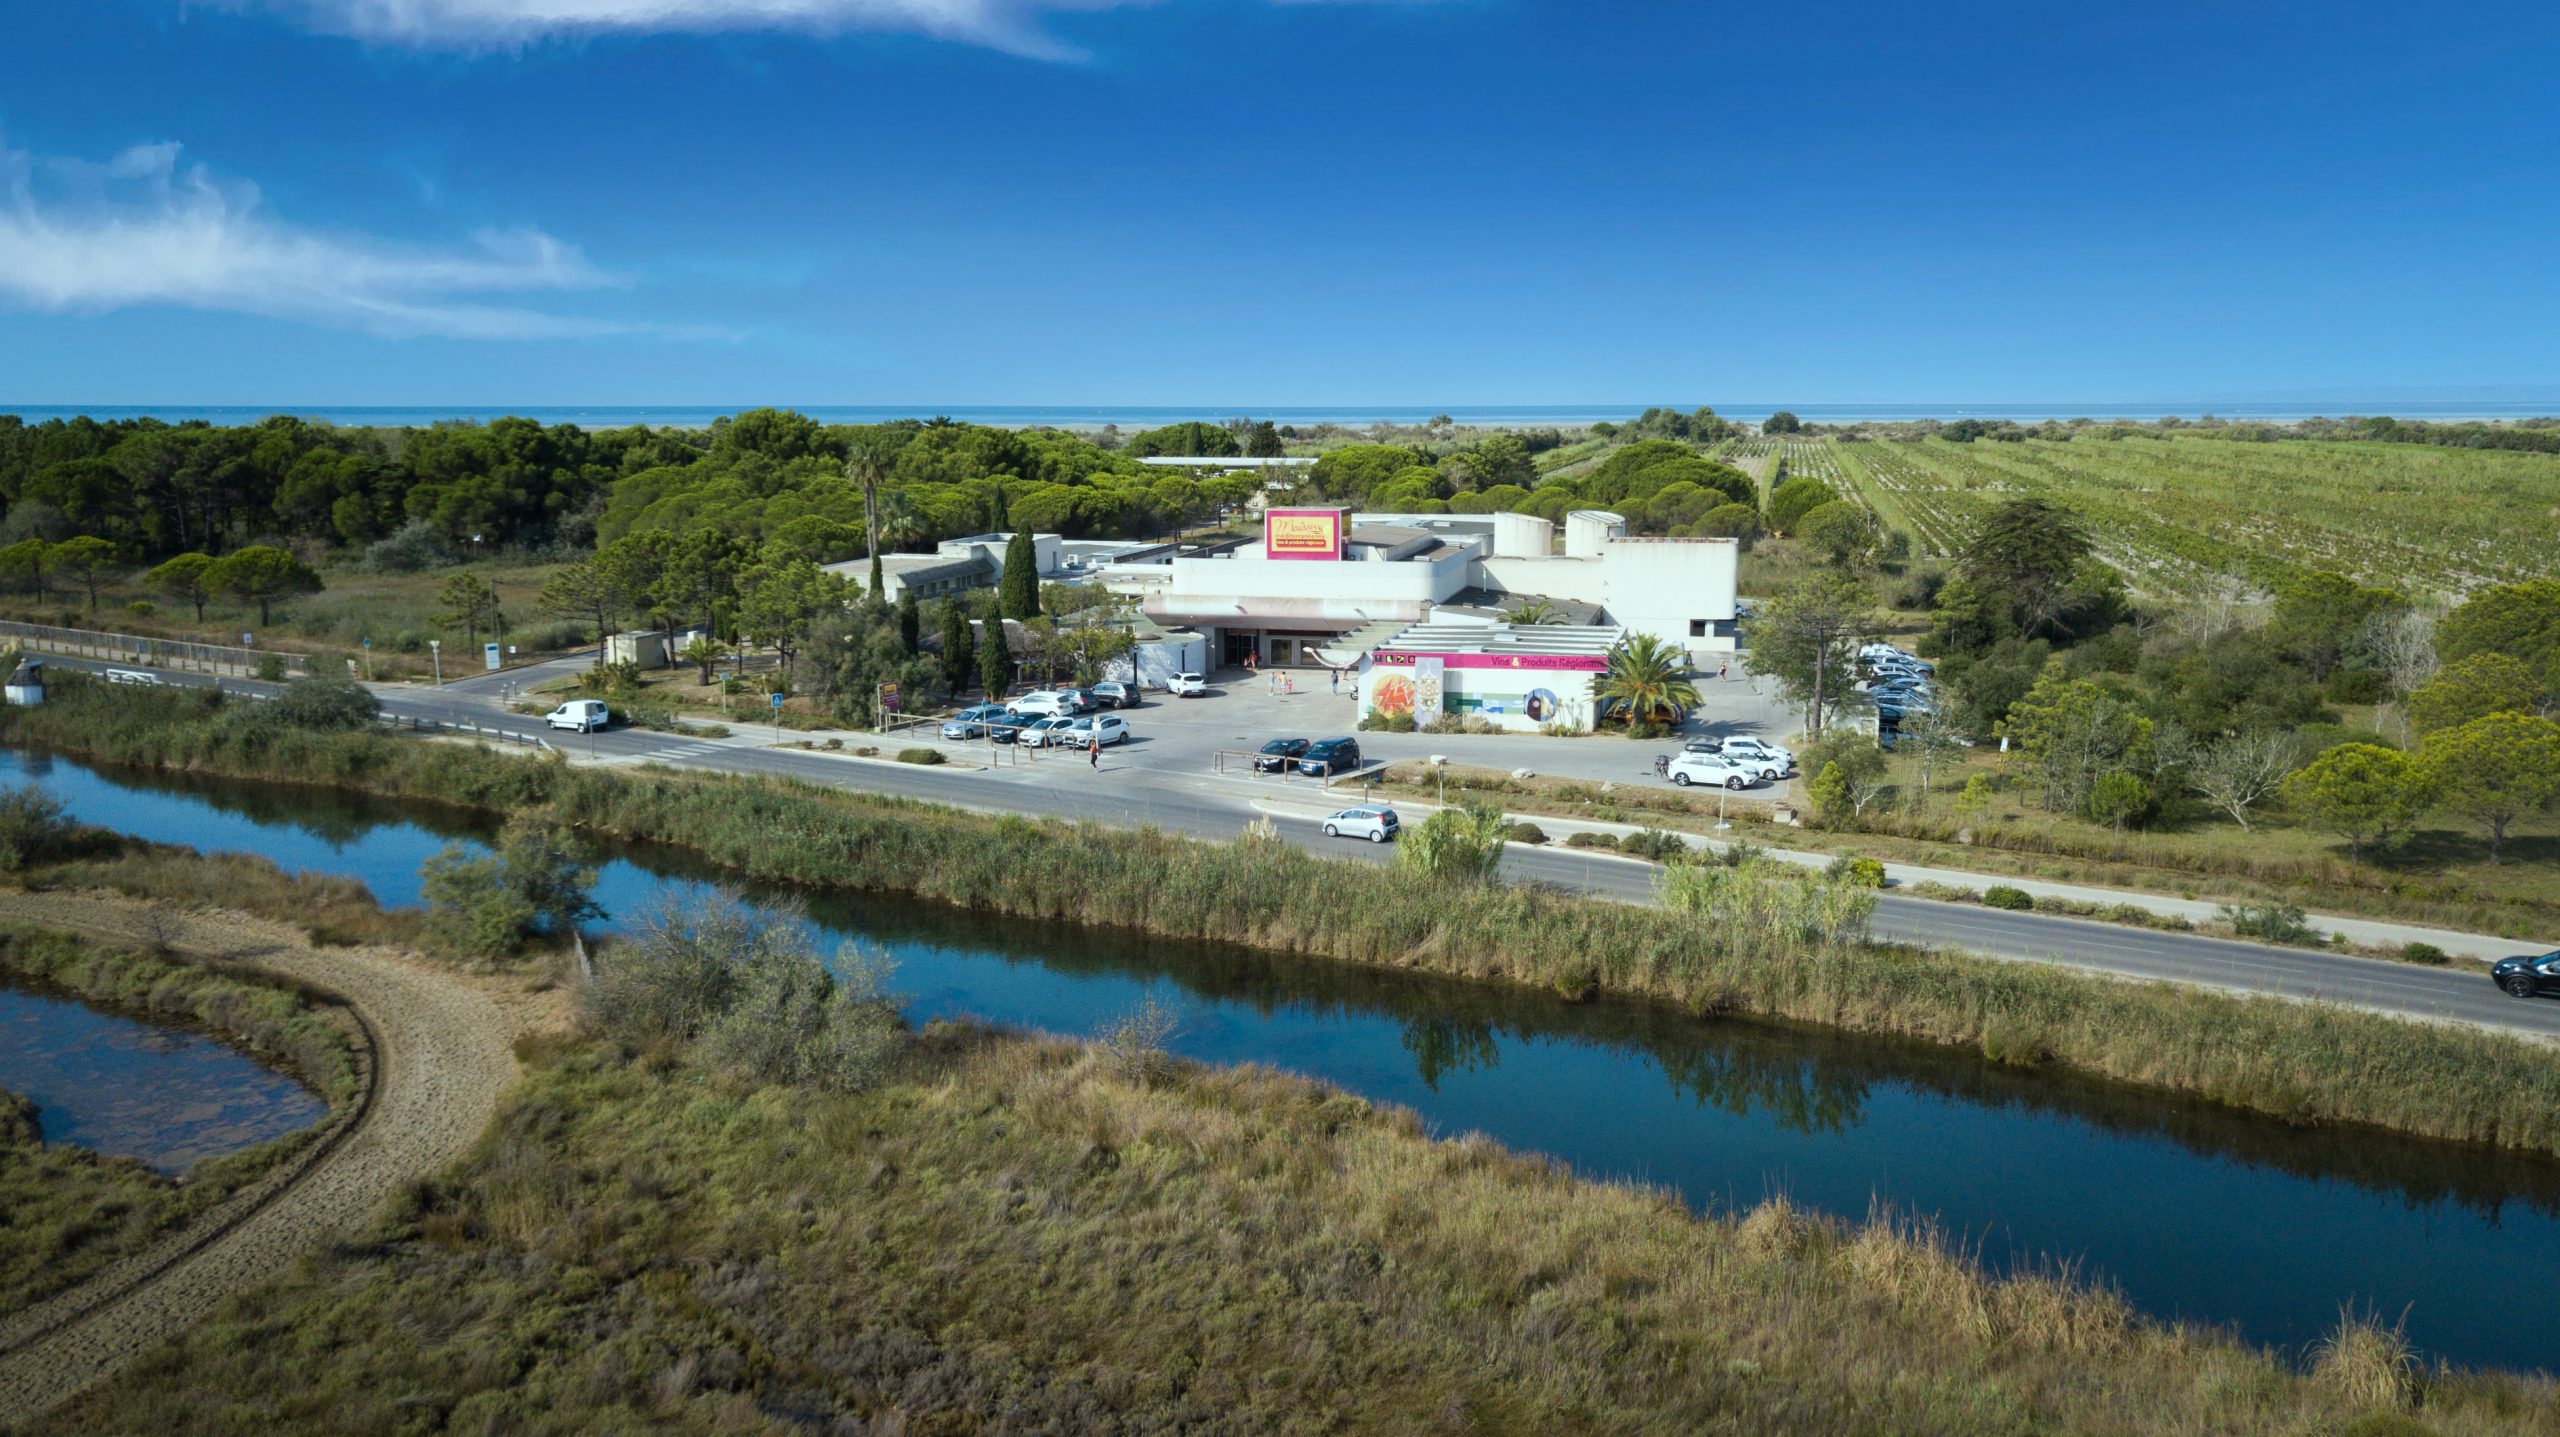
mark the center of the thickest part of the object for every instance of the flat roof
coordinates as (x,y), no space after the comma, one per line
(1229,461)
(1559,640)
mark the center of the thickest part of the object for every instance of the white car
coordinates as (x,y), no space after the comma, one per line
(1688,768)
(1044,732)
(581,715)
(1080,733)
(133,676)
(1187,686)
(1765,759)
(1041,703)
(1374,823)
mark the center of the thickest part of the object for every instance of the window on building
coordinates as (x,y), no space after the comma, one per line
(1697,628)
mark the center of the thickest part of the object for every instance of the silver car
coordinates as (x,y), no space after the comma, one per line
(1370,821)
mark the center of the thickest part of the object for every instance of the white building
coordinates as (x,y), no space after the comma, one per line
(975,561)
(1325,585)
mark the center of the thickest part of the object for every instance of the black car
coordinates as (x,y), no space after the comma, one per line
(2524,977)
(1277,755)
(1323,760)
(1113,694)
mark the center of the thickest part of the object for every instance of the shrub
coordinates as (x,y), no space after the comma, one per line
(2274,921)
(1526,833)
(32,827)
(926,756)
(142,608)
(1133,1046)
(418,545)
(2367,1363)
(327,704)
(271,668)
(2001,895)
(2426,953)
(1461,844)
(536,884)
(1865,872)
(1655,844)
(1591,840)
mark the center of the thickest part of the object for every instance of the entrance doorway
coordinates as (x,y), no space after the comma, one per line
(1238,645)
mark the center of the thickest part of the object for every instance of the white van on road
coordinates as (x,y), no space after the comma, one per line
(581,715)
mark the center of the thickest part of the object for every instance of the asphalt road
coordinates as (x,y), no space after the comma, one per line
(1127,792)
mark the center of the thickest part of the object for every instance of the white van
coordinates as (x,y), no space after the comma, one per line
(581,715)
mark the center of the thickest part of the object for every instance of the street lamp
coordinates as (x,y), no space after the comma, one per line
(435,653)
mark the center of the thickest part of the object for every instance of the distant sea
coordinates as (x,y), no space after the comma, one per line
(2280,408)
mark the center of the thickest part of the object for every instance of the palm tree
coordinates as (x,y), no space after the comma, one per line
(866,463)
(899,521)
(1537,611)
(1649,678)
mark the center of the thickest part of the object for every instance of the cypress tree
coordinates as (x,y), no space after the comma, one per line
(910,623)
(995,662)
(959,647)
(1018,591)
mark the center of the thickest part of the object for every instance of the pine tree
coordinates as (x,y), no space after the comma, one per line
(959,647)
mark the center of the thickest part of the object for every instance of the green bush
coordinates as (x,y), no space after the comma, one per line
(326,704)
(271,668)
(1655,844)
(1591,840)
(926,756)
(2271,922)
(1527,833)
(1461,844)
(536,885)
(1865,872)
(32,827)
(2001,895)
(2426,953)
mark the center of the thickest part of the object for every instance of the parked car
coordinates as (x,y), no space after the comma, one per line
(2524,977)
(1332,756)
(1040,703)
(1079,732)
(1115,694)
(581,715)
(1378,825)
(1080,701)
(973,722)
(1765,759)
(1688,768)
(1187,686)
(1045,732)
(1279,755)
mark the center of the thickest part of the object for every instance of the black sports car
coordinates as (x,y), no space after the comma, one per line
(2524,977)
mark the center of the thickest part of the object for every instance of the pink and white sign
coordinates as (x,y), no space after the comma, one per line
(1565,663)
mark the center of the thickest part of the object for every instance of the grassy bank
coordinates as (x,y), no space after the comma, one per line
(2299,1062)
(67,1213)
(1010,1234)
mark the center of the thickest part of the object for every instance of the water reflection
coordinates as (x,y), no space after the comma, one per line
(136,1090)
(2194,1210)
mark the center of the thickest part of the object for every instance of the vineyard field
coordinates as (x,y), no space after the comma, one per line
(2182,514)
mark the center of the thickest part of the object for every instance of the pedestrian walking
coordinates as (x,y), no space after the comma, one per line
(1721,666)
(1334,676)
(1093,751)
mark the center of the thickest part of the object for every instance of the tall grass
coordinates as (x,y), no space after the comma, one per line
(1013,1234)
(2300,1062)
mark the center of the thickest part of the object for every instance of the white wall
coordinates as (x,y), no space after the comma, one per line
(1587,531)
(1661,586)
(1523,536)
(1157,661)
(1581,580)
(1240,580)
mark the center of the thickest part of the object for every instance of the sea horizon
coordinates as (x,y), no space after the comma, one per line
(2268,409)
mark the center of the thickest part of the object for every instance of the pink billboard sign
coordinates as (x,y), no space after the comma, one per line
(1566,663)
(1303,533)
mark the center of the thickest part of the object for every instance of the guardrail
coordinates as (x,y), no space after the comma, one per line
(413,724)
(180,654)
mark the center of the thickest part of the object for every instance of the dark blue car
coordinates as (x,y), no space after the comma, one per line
(1332,756)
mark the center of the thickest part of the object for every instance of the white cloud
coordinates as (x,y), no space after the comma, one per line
(440,24)
(1012,25)
(141,229)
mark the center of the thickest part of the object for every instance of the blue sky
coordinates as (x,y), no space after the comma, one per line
(1255,202)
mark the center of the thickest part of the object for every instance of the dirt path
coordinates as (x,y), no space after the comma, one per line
(442,1051)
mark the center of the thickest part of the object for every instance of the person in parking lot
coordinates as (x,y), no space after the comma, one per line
(1093,750)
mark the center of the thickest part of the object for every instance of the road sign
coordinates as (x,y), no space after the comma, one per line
(489,655)
(777,703)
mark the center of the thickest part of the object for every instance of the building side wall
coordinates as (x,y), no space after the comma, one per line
(1581,580)
(1497,696)
(1666,587)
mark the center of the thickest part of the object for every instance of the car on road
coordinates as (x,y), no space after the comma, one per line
(1080,732)
(1763,758)
(1114,694)
(1280,755)
(1332,756)
(1187,686)
(581,715)
(1713,768)
(133,676)
(1376,824)
(973,722)
(1045,732)
(1040,703)
(2524,977)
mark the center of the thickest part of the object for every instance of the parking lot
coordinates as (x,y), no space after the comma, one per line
(1240,712)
